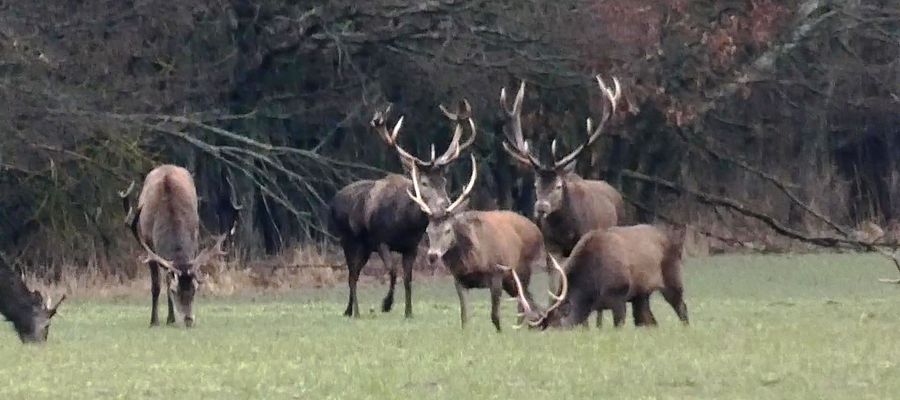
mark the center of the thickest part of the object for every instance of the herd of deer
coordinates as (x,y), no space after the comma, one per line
(607,265)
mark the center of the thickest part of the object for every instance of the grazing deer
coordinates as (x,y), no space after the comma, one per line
(566,206)
(480,248)
(377,216)
(167,226)
(610,267)
(26,309)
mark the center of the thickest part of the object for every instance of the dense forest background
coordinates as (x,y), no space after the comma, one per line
(764,124)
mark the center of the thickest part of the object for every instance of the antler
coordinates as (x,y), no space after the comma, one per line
(515,144)
(564,290)
(464,114)
(520,296)
(215,251)
(417,197)
(152,256)
(592,134)
(125,195)
(468,189)
(379,122)
(232,194)
(52,310)
(453,150)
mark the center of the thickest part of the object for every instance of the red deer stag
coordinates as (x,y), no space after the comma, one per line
(610,267)
(481,247)
(566,206)
(26,309)
(167,226)
(377,216)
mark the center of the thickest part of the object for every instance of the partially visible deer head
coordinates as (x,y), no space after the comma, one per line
(431,174)
(29,310)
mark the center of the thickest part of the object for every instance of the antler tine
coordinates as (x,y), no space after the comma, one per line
(520,292)
(126,202)
(52,310)
(380,125)
(54,307)
(515,144)
(127,192)
(417,197)
(152,256)
(563,291)
(232,194)
(455,148)
(468,190)
(593,133)
(214,251)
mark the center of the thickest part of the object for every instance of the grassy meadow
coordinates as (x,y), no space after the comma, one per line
(762,327)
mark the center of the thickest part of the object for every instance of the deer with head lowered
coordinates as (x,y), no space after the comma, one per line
(481,248)
(610,267)
(376,215)
(26,309)
(167,226)
(566,206)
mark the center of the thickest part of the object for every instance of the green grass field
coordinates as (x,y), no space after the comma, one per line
(778,327)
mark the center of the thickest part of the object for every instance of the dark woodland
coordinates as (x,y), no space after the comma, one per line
(764,125)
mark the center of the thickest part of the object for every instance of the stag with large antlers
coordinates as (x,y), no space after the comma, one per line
(566,206)
(610,267)
(481,248)
(167,226)
(26,309)
(377,216)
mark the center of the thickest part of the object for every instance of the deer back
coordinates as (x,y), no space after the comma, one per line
(613,195)
(391,217)
(488,238)
(348,209)
(169,221)
(645,247)
(590,204)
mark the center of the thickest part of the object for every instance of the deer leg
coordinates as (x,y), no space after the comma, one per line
(640,310)
(599,318)
(675,297)
(496,292)
(408,260)
(385,253)
(463,305)
(170,319)
(356,256)
(154,293)
(618,311)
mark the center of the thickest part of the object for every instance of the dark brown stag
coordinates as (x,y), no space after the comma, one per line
(566,206)
(480,248)
(166,224)
(610,267)
(26,309)
(377,216)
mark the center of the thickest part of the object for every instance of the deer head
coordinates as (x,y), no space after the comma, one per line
(549,182)
(440,232)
